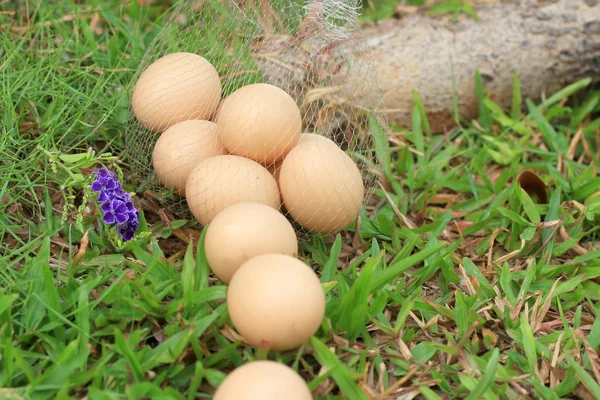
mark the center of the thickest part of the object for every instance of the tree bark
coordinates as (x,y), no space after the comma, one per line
(549,45)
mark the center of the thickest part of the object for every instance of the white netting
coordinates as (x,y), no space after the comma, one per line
(258,100)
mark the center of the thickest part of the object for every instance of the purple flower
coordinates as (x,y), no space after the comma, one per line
(106,185)
(128,231)
(115,210)
(116,206)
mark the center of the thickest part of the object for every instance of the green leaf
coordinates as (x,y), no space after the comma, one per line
(134,364)
(505,121)
(7,361)
(400,265)
(474,270)
(353,312)
(529,206)
(6,302)
(470,383)
(202,267)
(340,373)
(555,142)
(405,309)
(485,118)
(470,11)
(419,105)
(423,352)
(382,150)
(517,102)
(528,343)
(331,265)
(586,190)
(514,217)
(418,136)
(528,233)
(585,378)
(169,350)
(505,282)
(585,109)
(33,310)
(488,378)
(187,278)
(551,215)
(73,158)
(83,318)
(461,313)
(428,393)
(59,374)
(567,92)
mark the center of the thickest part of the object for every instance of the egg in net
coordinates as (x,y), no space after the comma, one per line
(274,102)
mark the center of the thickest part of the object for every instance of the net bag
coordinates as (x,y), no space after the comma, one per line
(274,102)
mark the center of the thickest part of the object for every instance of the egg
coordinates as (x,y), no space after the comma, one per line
(221,181)
(274,169)
(243,231)
(313,137)
(180,148)
(264,380)
(261,122)
(215,116)
(321,187)
(175,88)
(275,301)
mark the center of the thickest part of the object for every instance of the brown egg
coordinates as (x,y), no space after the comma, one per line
(181,147)
(221,181)
(261,122)
(243,231)
(321,187)
(276,302)
(274,169)
(215,116)
(264,380)
(175,88)
(312,137)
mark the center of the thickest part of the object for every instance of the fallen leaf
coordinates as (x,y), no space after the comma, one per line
(82,248)
(533,185)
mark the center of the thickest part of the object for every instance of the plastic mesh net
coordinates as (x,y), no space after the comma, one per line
(263,101)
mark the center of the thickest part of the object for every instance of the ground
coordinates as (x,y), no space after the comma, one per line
(461,281)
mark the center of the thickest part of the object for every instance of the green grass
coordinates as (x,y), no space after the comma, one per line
(464,287)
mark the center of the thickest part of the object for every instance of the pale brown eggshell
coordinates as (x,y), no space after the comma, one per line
(180,148)
(276,302)
(313,137)
(243,231)
(321,187)
(175,88)
(274,169)
(221,181)
(261,122)
(264,380)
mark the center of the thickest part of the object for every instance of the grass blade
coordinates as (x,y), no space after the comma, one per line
(353,312)
(134,364)
(331,265)
(585,378)
(528,344)
(517,102)
(188,278)
(340,373)
(395,269)
(488,378)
